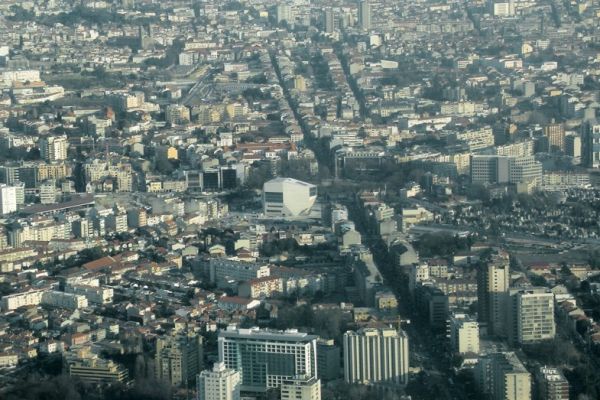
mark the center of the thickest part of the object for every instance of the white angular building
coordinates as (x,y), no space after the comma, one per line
(287,197)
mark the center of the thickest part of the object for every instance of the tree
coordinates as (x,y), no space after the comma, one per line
(259,174)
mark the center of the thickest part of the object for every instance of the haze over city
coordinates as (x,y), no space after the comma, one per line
(299,200)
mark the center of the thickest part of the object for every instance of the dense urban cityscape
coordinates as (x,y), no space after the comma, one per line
(299,200)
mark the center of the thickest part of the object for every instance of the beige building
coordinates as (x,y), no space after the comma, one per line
(556,136)
(221,383)
(16,300)
(552,383)
(464,334)
(178,359)
(530,315)
(268,286)
(301,389)
(503,377)
(8,360)
(493,282)
(97,370)
(54,148)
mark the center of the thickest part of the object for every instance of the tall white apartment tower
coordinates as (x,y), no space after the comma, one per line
(221,383)
(8,199)
(530,315)
(374,355)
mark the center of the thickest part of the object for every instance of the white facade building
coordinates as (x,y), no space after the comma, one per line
(287,197)
(8,199)
(224,271)
(301,389)
(464,334)
(219,384)
(54,148)
(376,356)
(266,359)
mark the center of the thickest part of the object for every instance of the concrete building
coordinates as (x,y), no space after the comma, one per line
(301,389)
(227,272)
(573,146)
(8,199)
(552,384)
(328,360)
(493,281)
(328,20)
(503,377)
(178,359)
(374,355)
(494,169)
(70,301)
(285,13)
(530,315)
(287,197)
(220,383)
(556,137)
(364,15)
(95,370)
(266,359)
(590,146)
(29,298)
(464,334)
(94,294)
(54,148)
(260,288)
(177,114)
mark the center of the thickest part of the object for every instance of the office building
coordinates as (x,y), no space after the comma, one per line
(266,359)
(301,389)
(503,377)
(573,146)
(432,303)
(464,334)
(525,169)
(556,137)
(489,169)
(287,197)
(373,355)
(493,281)
(328,20)
(284,12)
(364,15)
(54,148)
(552,384)
(494,169)
(328,360)
(590,146)
(219,384)
(530,315)
(178,359)
(8,199)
